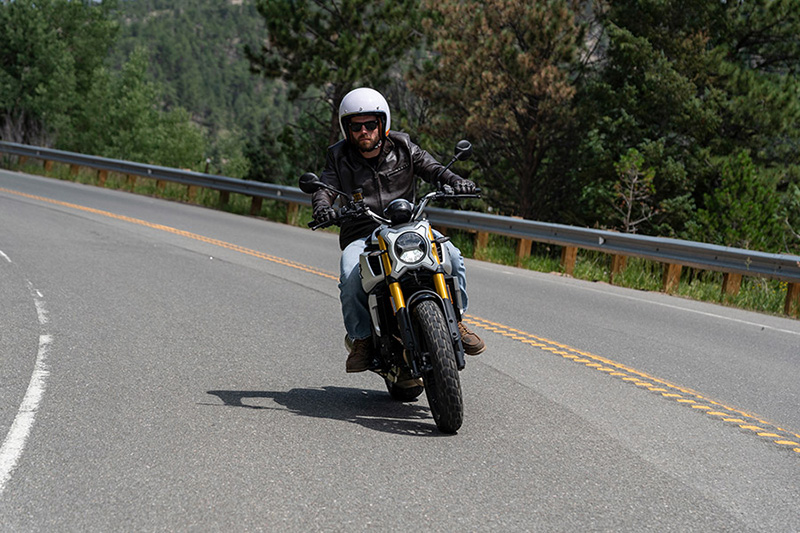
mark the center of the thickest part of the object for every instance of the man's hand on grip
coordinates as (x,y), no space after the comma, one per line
(324,214)
(464,186)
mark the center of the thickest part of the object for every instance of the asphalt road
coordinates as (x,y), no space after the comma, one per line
(165,367)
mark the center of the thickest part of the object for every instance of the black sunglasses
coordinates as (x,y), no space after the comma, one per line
(355,127)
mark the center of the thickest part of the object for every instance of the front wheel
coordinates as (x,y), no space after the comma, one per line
(442,384)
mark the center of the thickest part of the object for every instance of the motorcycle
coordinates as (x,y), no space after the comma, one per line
(414,301)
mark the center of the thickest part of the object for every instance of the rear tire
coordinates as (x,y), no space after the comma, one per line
(442,383)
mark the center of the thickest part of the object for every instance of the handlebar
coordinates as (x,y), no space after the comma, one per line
(355,209)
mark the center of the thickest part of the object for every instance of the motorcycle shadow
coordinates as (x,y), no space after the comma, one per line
(371,409)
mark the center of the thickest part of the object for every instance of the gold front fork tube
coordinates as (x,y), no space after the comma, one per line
(441,286)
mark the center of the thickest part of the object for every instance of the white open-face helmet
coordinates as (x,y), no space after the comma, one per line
(364,101)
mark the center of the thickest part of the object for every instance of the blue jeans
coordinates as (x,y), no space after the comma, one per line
(355,309)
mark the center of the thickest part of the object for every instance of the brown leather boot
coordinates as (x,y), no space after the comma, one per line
(360,356)
(473,345)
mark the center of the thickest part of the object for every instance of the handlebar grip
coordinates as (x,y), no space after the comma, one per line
(314,226)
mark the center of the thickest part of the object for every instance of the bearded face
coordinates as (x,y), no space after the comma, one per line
(366,139)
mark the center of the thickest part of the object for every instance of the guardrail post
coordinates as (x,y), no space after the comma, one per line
(569,254)
(161,185)
(255,205)
(73,170)
(792,307)
(292,213)
(672,277)
(618,265)
(481,244)
(48,165)
(523,250)
(102,175)
(523,247)
(191,192)
(131,183)
(224,198)
(21,160)
(731,283)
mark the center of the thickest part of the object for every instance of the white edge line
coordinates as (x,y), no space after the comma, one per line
(4,256)
(14,442)
(41,311)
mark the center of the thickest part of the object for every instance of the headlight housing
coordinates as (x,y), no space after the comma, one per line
(410,248)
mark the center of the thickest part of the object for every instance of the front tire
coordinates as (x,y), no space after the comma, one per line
(442,383)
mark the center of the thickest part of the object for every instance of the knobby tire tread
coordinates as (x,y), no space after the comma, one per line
(442,383)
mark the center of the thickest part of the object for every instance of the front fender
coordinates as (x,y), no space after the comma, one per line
(450,318)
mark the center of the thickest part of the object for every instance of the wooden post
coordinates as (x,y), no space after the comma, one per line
(255,205)
(131,181)
(161,185)
(292,213)
(523,250)
(731,283)
(618,265)
(224,198)
(102,175)
(672,277)
(792,307)
(569,254)
(191,192)
(48,165)
(22,160)
(481,244)
(73,170)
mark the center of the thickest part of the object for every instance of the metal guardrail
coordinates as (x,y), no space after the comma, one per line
(664,250)
(185,177)
(737,261)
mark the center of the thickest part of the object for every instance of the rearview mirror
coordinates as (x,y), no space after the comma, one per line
(309,183)
(463,150)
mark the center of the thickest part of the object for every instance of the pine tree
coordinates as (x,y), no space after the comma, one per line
(692,84)
(503,74)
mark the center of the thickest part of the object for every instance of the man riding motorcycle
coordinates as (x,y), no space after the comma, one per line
(384,164)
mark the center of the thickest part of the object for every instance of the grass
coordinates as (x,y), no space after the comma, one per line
(756,294)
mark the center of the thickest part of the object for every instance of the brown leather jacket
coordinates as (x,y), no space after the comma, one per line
(393,177)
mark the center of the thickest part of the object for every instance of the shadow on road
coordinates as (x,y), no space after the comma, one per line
(372,409)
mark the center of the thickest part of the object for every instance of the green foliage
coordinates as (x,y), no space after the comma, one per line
(195,55)
(194,50)
(333,47)
(49,53)
(691,84)
(511,94)
(742,211)
(55,90)
(323,50)
(121,120)
(634,191)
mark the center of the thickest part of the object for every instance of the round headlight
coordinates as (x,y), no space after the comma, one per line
(410,248)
